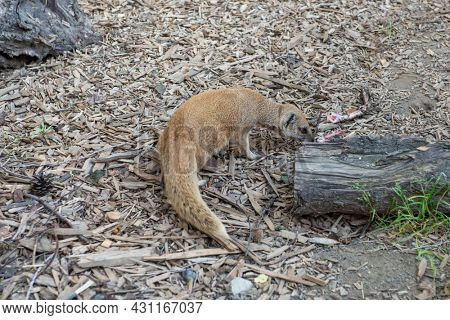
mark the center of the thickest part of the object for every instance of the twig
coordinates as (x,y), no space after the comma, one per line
(118,156)
(143,175)
(292,254)
(241,61)
(270,181)
(17,175)
(48,207)
(266,208)
(96,152)
(279,81)
(48,260)
(8,89)
(84,287)
(365,104)
(116,258)
(282,276)
(54,254)
(247,252)
(230,201)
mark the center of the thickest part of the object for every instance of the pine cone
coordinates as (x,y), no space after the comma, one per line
(41,185)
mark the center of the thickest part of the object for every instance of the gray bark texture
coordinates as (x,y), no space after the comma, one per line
(332,177)
(32,29)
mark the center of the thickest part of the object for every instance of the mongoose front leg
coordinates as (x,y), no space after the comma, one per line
(244,144)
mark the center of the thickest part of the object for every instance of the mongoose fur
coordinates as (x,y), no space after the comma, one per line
(202,126)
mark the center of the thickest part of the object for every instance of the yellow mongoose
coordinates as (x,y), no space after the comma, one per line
(204,125)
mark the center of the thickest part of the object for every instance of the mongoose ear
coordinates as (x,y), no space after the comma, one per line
(288,119)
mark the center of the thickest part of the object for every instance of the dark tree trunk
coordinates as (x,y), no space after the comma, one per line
(33,29)
(332,177)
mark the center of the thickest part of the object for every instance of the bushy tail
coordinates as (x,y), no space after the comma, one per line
(184,196)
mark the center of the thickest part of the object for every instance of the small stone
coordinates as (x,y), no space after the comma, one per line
(240,285)
(7,272)
(342,291)
(332,285)
(189,275)
(301,272)
(106,244)
(113,216)
(160,88)
(202,183)
(170,112)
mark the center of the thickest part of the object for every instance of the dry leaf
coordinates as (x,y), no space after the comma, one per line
(384,63)
(323,241)
(350,110)
(113,216)
(261,279)
(421,268)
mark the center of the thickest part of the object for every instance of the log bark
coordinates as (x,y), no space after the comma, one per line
(333,177)
(32,29)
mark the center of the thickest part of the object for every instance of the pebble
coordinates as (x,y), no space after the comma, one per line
(343,292)
(189,275)
(301,272)
(240,285)
(113,216)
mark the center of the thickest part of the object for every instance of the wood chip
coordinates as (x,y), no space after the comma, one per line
(323,241)
(282,276)
(111,258)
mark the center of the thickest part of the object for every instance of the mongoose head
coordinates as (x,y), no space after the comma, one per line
(293,123)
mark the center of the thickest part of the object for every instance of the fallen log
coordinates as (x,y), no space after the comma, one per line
(340,177)
(32,29)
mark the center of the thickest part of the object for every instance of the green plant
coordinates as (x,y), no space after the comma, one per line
(421,213)
(368,201)
(430,256)
(40,130)
(389,28)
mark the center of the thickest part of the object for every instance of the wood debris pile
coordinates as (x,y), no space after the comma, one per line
(91,118)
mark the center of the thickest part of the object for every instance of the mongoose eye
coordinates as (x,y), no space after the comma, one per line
(304,130)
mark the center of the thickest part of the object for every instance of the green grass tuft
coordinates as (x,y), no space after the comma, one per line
(41,130)
(431,258)
(389,28)
(424,212)
(421,213)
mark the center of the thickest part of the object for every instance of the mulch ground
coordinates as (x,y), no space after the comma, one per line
(90,120)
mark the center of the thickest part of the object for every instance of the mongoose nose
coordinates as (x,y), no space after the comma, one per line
(309,136)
